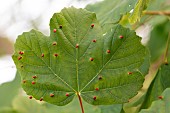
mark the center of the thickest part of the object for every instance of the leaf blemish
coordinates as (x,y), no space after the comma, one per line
(34,76)
(60,26)
(129,73)
(108,51)
(97,89)
(51,95)
(94,98)
(54,43)
(41,99)
(33,82)
(166,63)
(160,97)
(94,40)
(92,25)
(21,53)
(121,37)
(67,94)
(77,45)
(30,97)
(24,81)
(100,77)
(55,54)
(20,57)
(54,30)
(91,59)
(42,55)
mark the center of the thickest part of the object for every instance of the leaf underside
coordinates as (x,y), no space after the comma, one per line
(79,59)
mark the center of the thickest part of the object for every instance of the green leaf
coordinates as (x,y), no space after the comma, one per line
(24,105)
(158,39)
(155,5)
(75,60)
(137,12)
(160,106)
(116,108)
(158,85)
(7,110)
(72,108)
(8,91)
(135,103)
(111,11)
(144,69)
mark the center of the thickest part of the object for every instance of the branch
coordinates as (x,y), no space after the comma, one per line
(167,13)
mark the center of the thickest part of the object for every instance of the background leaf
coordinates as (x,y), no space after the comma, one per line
(158,85)
(160,106)
(158,39)
(116,108)
(22,104)
(111,11)
(7,110)
(156,5)
(8,91)
(137,12)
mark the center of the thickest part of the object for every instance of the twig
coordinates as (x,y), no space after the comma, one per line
(157,13)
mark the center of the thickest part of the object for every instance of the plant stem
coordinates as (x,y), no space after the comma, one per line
(166,51)
(81,104)
(157,13)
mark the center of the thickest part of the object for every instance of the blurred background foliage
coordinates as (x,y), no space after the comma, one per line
(134,14)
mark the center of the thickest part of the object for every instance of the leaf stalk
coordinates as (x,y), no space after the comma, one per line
(81,104)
